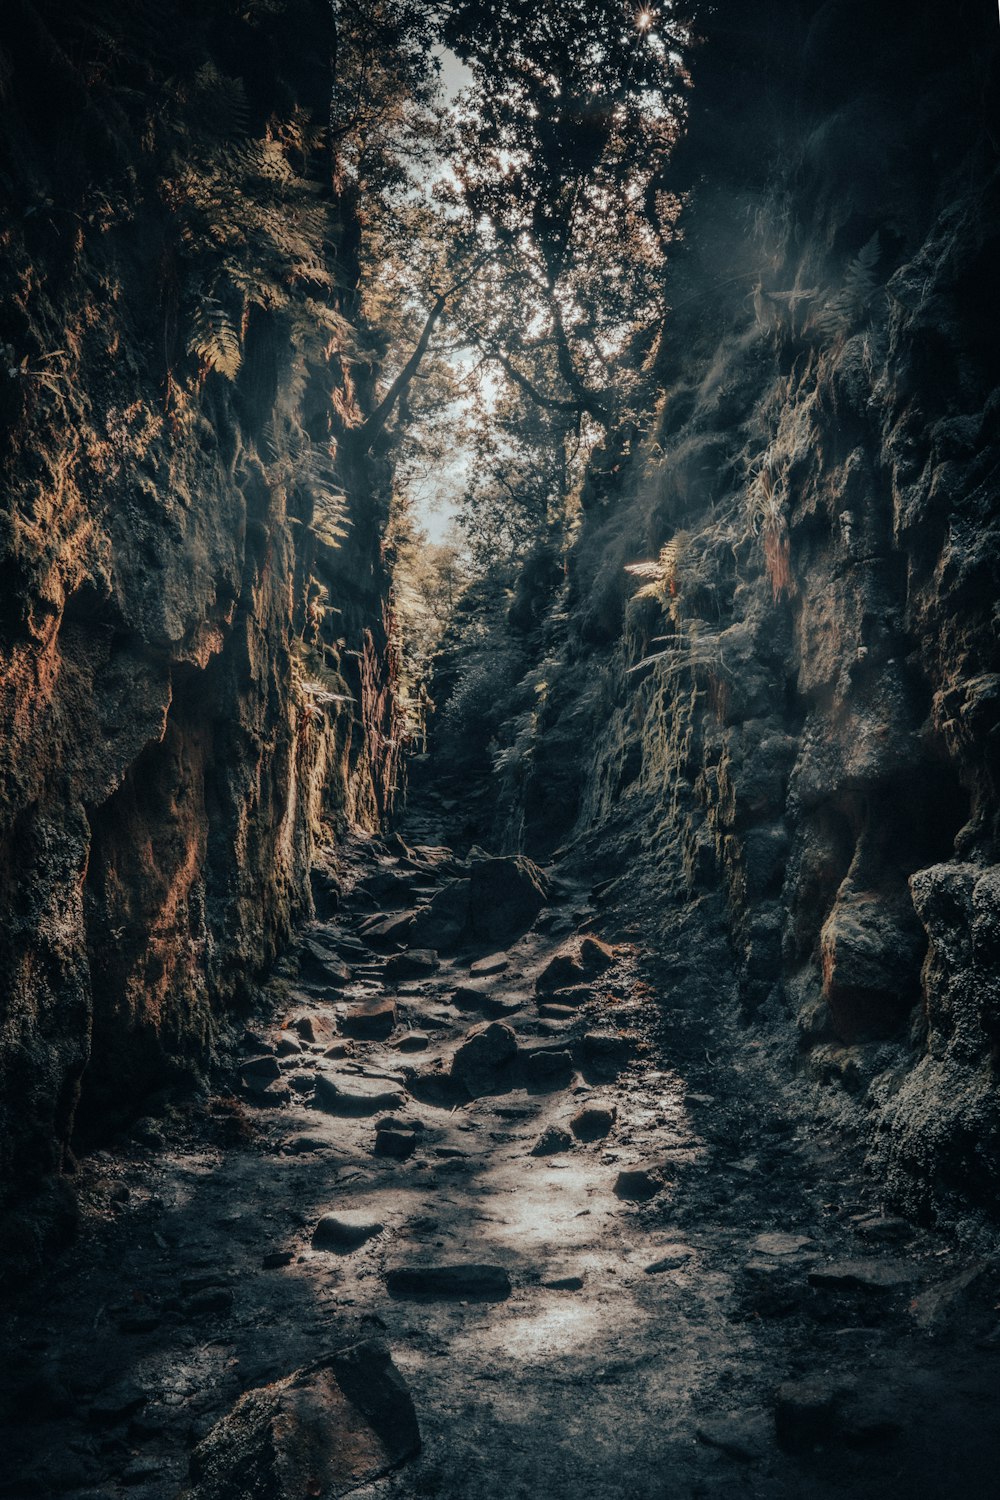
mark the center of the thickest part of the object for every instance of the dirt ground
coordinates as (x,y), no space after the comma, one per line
(690,1287)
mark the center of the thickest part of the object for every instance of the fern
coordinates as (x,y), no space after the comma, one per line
(846,307)
(214,340)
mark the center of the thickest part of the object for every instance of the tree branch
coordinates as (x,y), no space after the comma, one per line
(365,435)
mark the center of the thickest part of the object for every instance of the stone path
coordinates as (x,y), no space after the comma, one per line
(484,1163)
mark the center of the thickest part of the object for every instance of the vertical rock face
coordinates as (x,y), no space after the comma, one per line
(194,661)
(816,728)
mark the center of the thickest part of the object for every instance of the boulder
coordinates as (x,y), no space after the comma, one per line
(441,924)
(417,963)
(346,1230)
(484,1052)
(371,1021)
(383,931)
(505,896)
(326,1429)
(320,965)
(394,1143)
(871,948)
(579,960)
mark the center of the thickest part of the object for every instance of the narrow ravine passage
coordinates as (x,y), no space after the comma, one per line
(493,1163)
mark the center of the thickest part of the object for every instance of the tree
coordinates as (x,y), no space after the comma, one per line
(559,177)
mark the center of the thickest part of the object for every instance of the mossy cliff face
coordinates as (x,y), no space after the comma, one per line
(194,669)
(810,756)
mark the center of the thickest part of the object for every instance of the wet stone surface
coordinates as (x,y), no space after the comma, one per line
(601,1255)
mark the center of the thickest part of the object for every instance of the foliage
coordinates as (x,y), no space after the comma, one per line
(846,308)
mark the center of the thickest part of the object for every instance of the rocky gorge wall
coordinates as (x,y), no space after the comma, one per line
(787,729)
(195,676)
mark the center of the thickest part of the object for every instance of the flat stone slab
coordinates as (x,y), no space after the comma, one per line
(325,1430)
(781,1244)
(320,965)
(412,1041)
(864,1275)
(484,997)
(417,963)
(473,1280)
(347,1229)
(371,1021)
(495,963)
(670,1258)
(354,1097)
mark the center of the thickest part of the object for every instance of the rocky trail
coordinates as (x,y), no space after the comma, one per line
(461,1179)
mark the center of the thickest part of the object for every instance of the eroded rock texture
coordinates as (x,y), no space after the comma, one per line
(193,635)
(814,734)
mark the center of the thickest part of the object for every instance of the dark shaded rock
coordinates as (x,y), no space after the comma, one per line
(417,963)
(213,1302)
(833,1408)
(371,1021)
(495,963)
(117,1403)
(552,1141)
(777,1243)
(345,1230)
(505,897)
(472,1280)
(670,1258)
(772,1287)
(563,1284)
(484,997)
(606,1051)
(638,1184)
(593,1122)
(398,1144)
(412,1041)
(885,1229)
(354,1097)
(871,1276)
(578,960)
(312,1028)
(935,1309)
(259,1072)
(384,931)
(547,1067)
(325,1430)
(288,1046)
(321,966)
(738,1436)
(441,924)
(871,951)
(486,1050)
(275,1259)
(562,971)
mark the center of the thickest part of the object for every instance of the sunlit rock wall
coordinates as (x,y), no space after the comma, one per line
(194,668)
(817,728)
